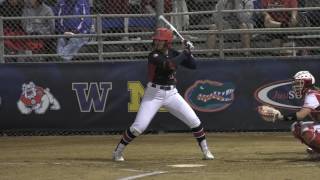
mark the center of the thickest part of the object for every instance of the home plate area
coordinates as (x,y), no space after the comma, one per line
(186,165)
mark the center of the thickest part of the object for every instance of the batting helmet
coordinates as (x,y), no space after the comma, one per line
(303,80)
(163,34)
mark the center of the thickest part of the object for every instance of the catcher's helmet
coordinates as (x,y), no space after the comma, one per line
(163,34)
(303,80)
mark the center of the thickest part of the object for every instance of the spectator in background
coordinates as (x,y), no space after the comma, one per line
(12,8)
(149,6)
(134,6)
(313,15)
(280,19)
(67,47)
(241,20)
(50,3)
(258,17)
(112,6)
(37,26)
(181,22)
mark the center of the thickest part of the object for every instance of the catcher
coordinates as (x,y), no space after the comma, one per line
(306,131)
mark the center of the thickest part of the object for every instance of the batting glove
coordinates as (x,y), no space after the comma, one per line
(188,44)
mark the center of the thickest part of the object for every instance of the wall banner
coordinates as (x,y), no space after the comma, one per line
(106,96)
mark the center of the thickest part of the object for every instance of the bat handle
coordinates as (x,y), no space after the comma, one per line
(179,35)
(188,44)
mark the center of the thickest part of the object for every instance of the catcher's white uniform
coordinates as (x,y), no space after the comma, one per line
(312,101)
(310,129)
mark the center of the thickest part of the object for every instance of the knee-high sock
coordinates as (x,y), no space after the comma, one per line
(127,137)
(199,134)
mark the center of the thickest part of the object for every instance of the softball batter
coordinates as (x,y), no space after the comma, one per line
(161,91)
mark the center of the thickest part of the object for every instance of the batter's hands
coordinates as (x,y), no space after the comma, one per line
(188,44)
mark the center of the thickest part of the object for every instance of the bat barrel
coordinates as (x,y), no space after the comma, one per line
(161,17)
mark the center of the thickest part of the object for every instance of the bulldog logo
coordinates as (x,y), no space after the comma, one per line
(37,99)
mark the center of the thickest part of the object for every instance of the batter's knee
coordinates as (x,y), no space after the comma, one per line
(135,131)
(195,123)
(197,128)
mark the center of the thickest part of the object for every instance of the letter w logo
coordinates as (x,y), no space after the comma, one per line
(95,96)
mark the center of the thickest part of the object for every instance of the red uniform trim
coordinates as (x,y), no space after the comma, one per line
(199,133)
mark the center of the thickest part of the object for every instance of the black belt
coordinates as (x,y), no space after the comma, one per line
(163,87)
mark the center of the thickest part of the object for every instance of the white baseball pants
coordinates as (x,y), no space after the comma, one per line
(154,98)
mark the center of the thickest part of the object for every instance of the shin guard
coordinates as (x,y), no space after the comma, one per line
(311,138)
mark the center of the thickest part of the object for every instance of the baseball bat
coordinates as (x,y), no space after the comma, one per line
(172,28)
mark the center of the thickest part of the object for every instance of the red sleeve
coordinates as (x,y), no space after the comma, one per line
(293,3)
(264,4)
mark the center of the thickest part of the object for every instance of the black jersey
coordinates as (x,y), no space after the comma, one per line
(162,67)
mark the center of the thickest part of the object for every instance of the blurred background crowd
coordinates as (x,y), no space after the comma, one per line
(77,30)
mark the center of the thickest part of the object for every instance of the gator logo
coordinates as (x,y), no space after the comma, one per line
(278,94)
(210,96)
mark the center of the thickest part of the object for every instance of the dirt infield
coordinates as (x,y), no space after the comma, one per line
(245,156)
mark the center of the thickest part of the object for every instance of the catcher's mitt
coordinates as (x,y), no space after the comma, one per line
(269,113)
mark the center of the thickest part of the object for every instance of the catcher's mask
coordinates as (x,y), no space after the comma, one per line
(163,34)
(303,81)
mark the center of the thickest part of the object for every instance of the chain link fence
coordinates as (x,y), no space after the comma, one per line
(99,30)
